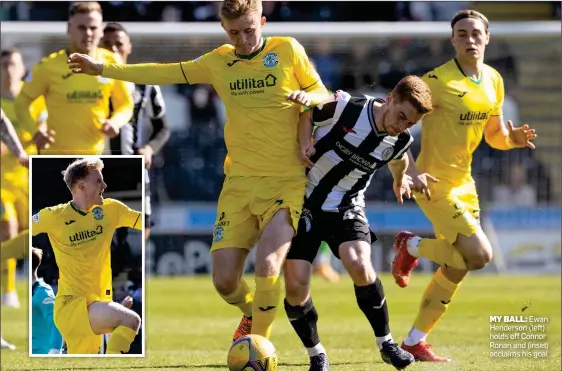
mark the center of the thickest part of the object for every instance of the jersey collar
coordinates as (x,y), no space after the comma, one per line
(77,209)
(250,56)
(477,82)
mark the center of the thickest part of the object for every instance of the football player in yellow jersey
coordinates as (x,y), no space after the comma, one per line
(258,79)
(468,97)
(80,232)
(78,105)
(14,208)
(12,250)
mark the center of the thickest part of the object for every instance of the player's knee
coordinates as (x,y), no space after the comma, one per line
(225,284)
(296,287)
(131,320)
(479,259)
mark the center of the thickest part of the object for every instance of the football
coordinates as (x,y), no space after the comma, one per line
(252,353)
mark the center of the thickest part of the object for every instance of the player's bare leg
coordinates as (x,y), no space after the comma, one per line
(301,311)
(477,252)
(356,258)
(228,267)
(272,249)
(9,230)
(468,253)
(114,318)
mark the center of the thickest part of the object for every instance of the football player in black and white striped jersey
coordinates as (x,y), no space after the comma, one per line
(355,137)
(149,106)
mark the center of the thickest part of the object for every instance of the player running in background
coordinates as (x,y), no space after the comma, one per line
(149,106)
(78,106)
(45,337)
(258,79)
(80,232)
(14,248)
(356,136)
(468,97)
(15,196)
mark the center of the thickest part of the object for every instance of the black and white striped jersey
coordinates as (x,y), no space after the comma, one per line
(149,109)
(349,150)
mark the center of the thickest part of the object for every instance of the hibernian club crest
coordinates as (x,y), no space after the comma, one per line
(270,60)
(97,212)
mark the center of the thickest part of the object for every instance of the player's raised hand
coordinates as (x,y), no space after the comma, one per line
(300,97)
(402,187)
(109,129)
(82,63)
(307,150)
(44,138)
(522,136)
(421,183)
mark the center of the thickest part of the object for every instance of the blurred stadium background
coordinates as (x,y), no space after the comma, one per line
(362,47)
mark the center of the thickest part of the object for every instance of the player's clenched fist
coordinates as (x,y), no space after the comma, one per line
(300,97)
(82,63)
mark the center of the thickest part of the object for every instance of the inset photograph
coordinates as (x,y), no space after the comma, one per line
(87,258)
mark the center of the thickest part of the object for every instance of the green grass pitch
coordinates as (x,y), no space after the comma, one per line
(190,328)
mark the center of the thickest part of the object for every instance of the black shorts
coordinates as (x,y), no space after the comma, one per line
(334,228)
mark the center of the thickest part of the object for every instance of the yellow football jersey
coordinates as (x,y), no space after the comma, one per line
(78,104)
(453,131)
(82,244)
(13,174)
(261,127)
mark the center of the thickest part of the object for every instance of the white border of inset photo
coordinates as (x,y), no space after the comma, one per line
(143,261)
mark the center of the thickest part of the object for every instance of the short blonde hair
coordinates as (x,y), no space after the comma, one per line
(233,9)
(84,7)
(414,90)
(79,169)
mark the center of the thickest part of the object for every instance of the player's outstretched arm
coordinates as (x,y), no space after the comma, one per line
(402,182)
(145,73)
(305,138)
(503,138)
(420,180)
(11,140)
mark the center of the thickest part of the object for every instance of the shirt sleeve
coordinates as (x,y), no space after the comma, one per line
(432,80)
(329,111)
(122,103)
(128,217)
(500,94)
(198,70)
(36,86)
(409,139)
(41,222)
(303,70)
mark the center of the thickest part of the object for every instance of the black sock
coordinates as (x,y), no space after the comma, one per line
(372,302)
(304,319)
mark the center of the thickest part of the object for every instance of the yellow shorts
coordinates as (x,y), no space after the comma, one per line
(72,319)
(14,204)
(247,203)
(452,211)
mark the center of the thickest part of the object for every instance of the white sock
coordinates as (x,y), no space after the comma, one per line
(412,245)
(414,337)
(384,339)
(316,350)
